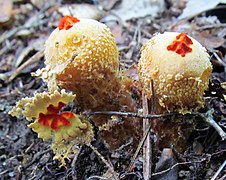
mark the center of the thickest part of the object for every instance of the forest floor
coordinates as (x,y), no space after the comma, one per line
(25,156)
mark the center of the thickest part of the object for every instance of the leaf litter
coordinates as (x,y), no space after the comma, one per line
(24,156)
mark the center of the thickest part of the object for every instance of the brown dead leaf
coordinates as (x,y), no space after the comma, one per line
(208,40)
(5,11)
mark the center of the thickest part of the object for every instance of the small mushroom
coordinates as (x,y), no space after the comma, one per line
(46,117)
(180,69)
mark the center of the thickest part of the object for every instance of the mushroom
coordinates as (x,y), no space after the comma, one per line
(81,55)
(180,69)
(46,117)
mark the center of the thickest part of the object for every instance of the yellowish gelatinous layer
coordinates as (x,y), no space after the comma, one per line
(78,131)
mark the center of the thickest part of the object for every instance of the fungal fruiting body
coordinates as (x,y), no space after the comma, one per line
(81,55)
(65,129)
(180,69)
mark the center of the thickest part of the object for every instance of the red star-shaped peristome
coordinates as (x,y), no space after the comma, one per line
(67,22)
(181,44)
(54,118)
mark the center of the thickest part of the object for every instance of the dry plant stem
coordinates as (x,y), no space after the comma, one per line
(219,171)
(175,165)
(36,158)
(212,26)
(139,148)
(147,144)
(34,58)
(4,172)
(208,117)
(103,160)
(188,162)
(96,177)
(220,60)
(223,177)
(74,173)
(129,114)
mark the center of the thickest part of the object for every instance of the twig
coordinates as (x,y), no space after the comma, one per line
(97,177)
(129,114)
(212,26)
(175,165)
(33,59)
(146,135)
(223,177)
(4,172)
(74,173)
(220,60)
(103,160)
(123,175)
(147,143)
(219,170)
(36,157)
(208,117)
(189,162)
(140,145)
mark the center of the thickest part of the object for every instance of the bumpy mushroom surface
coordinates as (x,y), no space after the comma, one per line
(180,68)
(81,55)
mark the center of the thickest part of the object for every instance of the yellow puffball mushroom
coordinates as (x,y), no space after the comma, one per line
(180,69)
(81,55)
